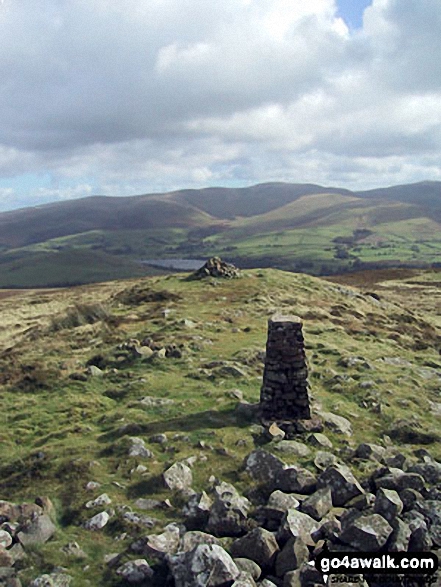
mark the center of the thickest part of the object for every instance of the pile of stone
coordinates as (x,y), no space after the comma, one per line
(215,267)
(22,526)
(284,393)
(272,537)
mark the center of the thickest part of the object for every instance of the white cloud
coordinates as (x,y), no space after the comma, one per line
(164,94)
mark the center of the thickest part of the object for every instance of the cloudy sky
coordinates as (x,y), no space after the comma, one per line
(127,97)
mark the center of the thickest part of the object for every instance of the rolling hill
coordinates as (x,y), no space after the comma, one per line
(307,227)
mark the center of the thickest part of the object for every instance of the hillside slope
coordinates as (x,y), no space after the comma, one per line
(292,226)
(105,387)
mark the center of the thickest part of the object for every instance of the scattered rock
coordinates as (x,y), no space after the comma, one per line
(159,545)
(259,545)
(136,571)
(344,486)
(97,522)
(336,423)
(36,531)
(101,500)
(178,477)
(138,448)
(229,513)
(367,533)
(207,565)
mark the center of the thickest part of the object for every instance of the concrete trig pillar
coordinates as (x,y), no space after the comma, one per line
(284,393)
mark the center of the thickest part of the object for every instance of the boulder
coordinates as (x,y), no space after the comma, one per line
(292,556)
(197,510)
(229,513)
(319,439)
(420,540)
(259,545)
(101,500)
(194,538)
(159,545)
(306,576)
(244,580)
(336,423)
(388,504)
(295,480)
(263,466)
(400,537)
(55,579)
(298,524)
(366,533)
(344,486)
(207,565)
(178,477)
(248,566)
(138,448)
(97,522)
(37,530)
(5,539)
(136,571)
(292,447)
(318,504)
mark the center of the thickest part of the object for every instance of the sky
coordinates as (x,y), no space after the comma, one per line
(112,97)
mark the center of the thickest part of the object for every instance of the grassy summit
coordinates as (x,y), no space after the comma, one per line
(85,369)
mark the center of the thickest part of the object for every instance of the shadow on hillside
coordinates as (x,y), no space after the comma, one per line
(209,419)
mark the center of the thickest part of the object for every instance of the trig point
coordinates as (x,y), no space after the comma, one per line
(284,393)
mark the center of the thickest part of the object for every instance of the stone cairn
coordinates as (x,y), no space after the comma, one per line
(284,393)
(215,267)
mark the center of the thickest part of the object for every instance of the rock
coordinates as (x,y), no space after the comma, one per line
(197,510)
(431,510)
(388,504)
(138,448)
(367,533)
(263,466)
(136,571)
(420,540)
(97,522)
(140,520)
(149,401)
(336,423)
(6,559)
(398,481)
(246,565)
(207,565)
(400,537)
(94,371)
(292,447)
(275,433)
(366,451)
(324,459)
(36,531)
(73,550)
(318,504)
(298,524)
(244,580)
(306,576)
(194,538)
(259,545)
(178,477)
(293,555)
(409,498)
(5,539)
(319,439)
(295,480)
(430,471)
(92,485)
(159,545)
(148,504)
(158,439)
(342,483)
(53,580)
(101,500)
(229,513)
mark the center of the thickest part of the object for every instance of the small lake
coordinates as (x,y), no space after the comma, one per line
(176,264)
